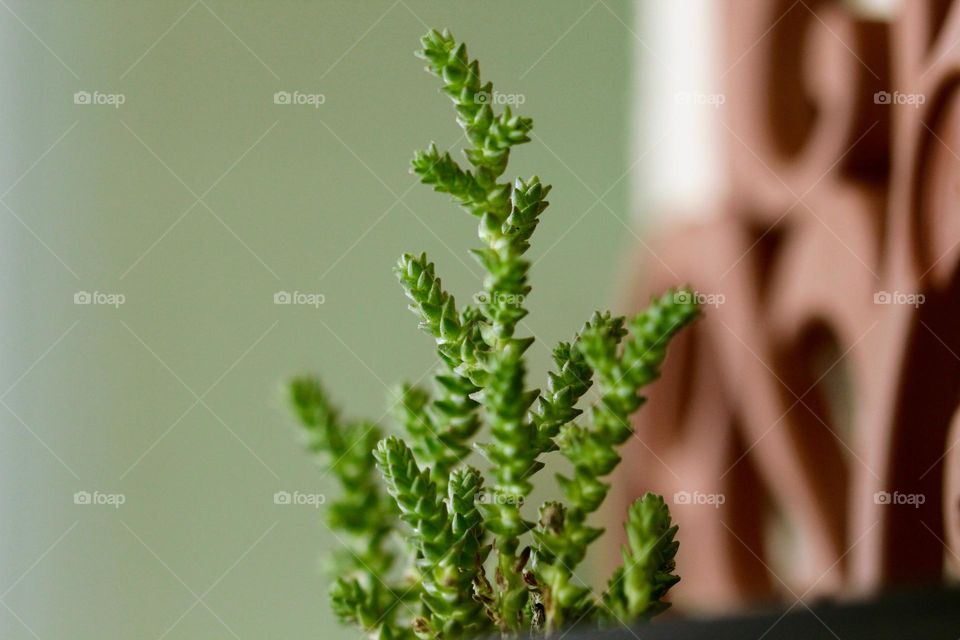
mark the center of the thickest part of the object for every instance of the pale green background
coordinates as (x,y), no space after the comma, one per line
(303,199)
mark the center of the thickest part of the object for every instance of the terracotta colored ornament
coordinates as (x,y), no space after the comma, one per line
(808,428)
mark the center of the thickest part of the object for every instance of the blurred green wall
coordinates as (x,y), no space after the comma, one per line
(172,398)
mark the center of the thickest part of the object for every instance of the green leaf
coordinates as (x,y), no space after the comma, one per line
(637,589)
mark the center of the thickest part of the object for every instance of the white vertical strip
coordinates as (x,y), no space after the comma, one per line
(11,290)
(677,102)
(877,9)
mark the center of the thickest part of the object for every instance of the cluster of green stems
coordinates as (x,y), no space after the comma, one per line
(474,563)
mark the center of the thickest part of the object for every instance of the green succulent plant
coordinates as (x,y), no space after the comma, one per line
(432,549)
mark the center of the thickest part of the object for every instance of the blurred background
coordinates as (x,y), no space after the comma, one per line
(148,171)
(202,198)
